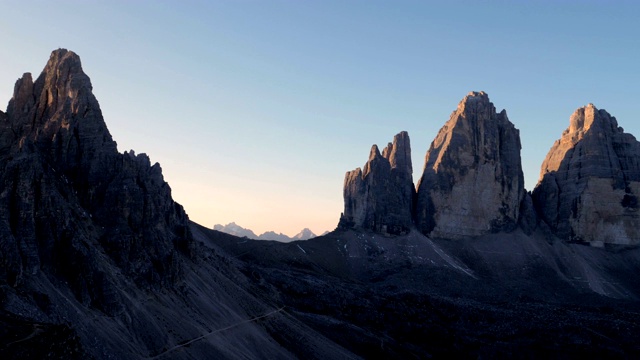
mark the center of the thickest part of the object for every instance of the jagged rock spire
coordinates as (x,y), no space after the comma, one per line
(590,181)
(69,200)
(380,197)
(60,97)
(472,182)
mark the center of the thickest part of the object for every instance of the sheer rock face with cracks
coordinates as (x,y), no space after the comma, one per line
(380,197)
(472,182)
(590,182)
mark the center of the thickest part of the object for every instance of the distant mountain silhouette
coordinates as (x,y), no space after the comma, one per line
(234,229)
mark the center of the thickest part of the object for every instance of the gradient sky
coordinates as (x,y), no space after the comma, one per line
(256,109)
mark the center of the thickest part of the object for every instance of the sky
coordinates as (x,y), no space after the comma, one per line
(256,109)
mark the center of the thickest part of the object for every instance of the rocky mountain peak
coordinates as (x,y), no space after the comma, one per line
(472,182)
(374,160)
(69,200)
(586,117)
(589,181)
(63,76)
(399,153)
(237,230)
(59,114)
(386,152)
(475,96)
(586,122)
(304,234)
(474,101)
(374,152)
(380,197)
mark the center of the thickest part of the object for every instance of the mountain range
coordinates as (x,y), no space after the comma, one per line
(97,261)
(234,229)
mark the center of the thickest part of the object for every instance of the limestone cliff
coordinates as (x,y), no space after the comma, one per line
(590,181)
(472,182)
(380,197)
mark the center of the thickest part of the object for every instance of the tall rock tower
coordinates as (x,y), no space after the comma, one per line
(472,182)
(590,181)
(380,197)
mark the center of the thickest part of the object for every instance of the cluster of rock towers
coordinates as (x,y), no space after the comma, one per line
(472,182)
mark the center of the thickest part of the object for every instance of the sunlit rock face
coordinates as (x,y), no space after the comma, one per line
(590,181)
(380,197)
(472,182)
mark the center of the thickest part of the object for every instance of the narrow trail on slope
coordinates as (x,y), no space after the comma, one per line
(271,313)
(36,329)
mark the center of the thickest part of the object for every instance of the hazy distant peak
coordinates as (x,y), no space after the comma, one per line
(234,229)
(304,234)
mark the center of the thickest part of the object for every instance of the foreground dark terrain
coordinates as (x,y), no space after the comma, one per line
(507,295)
(98,262)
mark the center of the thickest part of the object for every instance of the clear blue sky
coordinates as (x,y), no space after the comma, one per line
(256,109)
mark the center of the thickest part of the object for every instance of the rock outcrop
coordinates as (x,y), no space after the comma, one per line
(472,182)
(590,182)
(380,197)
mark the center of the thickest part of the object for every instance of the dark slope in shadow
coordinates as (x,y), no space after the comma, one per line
(502,295)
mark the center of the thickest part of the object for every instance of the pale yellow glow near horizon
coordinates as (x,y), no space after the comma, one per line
(208,204)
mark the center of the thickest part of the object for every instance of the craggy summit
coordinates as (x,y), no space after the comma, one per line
(590,182)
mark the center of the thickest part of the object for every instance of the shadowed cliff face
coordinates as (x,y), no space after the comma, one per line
(472,182)
(590,181)
(67,197)
(380,197)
